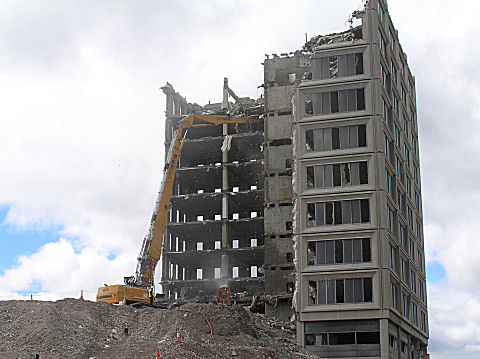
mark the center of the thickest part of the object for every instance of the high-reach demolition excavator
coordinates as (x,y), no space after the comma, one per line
(135,289)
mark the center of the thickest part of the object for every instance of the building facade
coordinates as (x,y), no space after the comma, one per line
(361,289)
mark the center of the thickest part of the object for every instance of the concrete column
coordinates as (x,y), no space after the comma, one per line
(169,108)
(384,339)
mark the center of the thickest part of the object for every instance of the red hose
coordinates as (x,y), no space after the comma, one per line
(204,317)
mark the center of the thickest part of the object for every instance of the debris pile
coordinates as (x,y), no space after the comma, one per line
(72,328)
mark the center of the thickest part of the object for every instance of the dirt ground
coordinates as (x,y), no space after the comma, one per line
(72,328)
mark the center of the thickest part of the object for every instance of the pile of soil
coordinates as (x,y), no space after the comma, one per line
(72,328)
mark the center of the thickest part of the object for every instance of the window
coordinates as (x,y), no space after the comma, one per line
(381,43)
(325,103)
(394,294)
(235,243)
(404,94)
(419,231)
(385,111)
(392,341)
(217,272)
(421,290)
(218,244)
(234,272)
(387,147)
(415,173)
(381,13)
(423,321)
(408,185)
(393,258)
(397,136)
(253,271)
(415,314)
(199,246)
(389,183)
(383,77)
(410,217)
(411,247)
(398,167)
(339,174)
(413,281)
(199,273)
(253,242)
(337,66)
(339,251)
(391,220)
(394,72)
(335,138)
(414,143)
(417,201)
(401,201)
(420,260)
(403,236)
(391,39)
(395,103)
(406,153)
(336,291)
(338,212)
(344,338)
(403,270)
(404,305)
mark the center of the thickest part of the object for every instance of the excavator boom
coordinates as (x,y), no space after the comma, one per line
(151,250)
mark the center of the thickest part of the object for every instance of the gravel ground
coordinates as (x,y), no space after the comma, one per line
(77,329)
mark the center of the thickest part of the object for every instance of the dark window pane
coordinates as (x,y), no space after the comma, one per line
(310,177)
(321,252)
(336,175)
(339,286)
(365,210)
(311,253)
(334,101)
(309,140)
(367,289)
(359,63)
(311,215)
(341,338)
(330,252)
(360,99)
(328,213)
(325,103)
(366,253)
(338,212)
(362,135)
(335,138)
(363,172)
(309,339)
(368,338)
(312,292)
(338,251)
(342,66)
(346,174)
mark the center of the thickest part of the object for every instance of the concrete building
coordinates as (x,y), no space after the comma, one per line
(317,209)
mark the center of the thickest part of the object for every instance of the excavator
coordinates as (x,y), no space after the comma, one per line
(135,289)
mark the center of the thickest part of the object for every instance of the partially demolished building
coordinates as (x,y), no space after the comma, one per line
(317,208)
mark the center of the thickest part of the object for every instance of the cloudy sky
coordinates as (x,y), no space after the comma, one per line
(81,130)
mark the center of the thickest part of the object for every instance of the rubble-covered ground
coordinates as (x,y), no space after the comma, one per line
(72,328)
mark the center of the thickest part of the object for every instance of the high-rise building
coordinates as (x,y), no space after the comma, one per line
(316,210)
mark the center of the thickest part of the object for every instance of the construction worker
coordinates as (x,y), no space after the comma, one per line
(150,295)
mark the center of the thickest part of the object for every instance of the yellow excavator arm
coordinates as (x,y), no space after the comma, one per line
(152,245)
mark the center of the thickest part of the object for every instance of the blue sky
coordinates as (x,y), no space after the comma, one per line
(81,131)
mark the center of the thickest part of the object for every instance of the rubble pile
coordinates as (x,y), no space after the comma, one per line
(72,328)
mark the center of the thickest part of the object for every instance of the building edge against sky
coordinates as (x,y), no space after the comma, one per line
(322,198)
